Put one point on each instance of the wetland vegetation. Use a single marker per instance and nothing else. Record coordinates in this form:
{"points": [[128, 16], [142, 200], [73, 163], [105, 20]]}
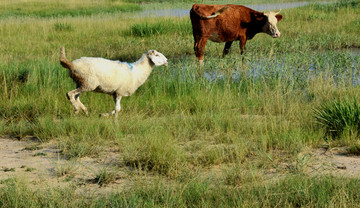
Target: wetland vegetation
{"points": [[186, 138]]}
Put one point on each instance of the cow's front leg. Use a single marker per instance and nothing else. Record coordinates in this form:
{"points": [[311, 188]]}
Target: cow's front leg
{"points": [[227, 48], [199, 48], [242, 44], [242, 47]]}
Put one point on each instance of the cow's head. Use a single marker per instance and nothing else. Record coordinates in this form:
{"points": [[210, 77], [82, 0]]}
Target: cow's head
{"points": [[270, 24]]}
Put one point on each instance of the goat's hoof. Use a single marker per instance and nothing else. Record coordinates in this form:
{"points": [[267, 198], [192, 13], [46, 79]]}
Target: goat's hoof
{"points": [[104, 115]]}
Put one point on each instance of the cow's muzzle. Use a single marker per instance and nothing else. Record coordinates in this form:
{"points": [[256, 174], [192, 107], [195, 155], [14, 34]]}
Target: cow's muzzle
{"points": [[276, 35]]}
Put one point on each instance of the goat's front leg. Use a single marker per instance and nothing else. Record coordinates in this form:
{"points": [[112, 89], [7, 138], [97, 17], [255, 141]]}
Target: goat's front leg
{"points": [[117, 99]]}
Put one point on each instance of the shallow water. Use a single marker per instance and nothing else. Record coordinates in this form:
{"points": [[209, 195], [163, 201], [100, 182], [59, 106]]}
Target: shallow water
{"points": [[258, 7], [342, 66]]}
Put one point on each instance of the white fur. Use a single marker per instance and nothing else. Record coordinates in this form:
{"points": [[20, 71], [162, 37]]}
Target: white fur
{"points": [[270, 27], [112, 77]]}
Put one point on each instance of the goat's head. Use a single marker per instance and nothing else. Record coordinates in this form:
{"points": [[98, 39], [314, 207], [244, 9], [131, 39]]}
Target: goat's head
{"points": [[157, 58]]}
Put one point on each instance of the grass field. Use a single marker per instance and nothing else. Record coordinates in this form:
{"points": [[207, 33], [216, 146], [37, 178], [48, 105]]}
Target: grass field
{"points": [[185, 140]]}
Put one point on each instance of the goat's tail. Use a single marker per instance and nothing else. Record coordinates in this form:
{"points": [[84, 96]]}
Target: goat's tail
{"points": [[63, 61], [213, 15]]}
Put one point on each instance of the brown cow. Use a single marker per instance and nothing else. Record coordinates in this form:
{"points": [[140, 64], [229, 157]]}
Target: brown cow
{"points": [[227, 23]]}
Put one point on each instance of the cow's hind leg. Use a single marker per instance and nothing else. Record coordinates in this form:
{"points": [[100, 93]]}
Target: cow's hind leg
{"points": [[199, 48], [227, 48]]}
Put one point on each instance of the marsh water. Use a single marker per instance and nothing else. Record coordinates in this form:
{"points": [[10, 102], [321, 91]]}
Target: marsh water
{"points": [[343, 66]]}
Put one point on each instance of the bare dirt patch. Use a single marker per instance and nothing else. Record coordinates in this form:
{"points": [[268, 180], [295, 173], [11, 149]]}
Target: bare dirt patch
{"points": [[334, 161], [41, 163]]}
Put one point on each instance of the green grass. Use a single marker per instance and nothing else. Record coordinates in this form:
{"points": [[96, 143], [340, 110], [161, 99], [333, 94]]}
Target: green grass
{"points": [[197, 140], [55, 9], [290, 192], [297, 191], [160, 27]]}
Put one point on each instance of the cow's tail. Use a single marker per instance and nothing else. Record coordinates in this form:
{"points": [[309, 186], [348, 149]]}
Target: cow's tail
{"points": [[63, 61], [213, 15]]}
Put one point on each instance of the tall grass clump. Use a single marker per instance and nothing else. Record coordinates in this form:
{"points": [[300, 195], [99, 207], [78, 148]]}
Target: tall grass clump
{"points": [[104, 177], [339, 116], [160, 27]]}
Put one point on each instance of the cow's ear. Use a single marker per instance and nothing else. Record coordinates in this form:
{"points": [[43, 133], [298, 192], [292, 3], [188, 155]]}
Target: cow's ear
{"points": [[279, 17], [259, 16]]}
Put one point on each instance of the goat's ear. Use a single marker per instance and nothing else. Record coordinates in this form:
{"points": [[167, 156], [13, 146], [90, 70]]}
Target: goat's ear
{"points": [[151, 52]]}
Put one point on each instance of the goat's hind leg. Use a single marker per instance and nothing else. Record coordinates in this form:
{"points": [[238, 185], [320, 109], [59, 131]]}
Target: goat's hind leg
{"points": [[82, 106], [73, 96]]}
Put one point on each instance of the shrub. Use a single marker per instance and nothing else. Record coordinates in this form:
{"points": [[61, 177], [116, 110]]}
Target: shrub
{"points": [[339, 116]]}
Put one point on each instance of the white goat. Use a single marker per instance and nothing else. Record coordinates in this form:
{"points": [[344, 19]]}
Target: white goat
{"points": [[111, 77]]}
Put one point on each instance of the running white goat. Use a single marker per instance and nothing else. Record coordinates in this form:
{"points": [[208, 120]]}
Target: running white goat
{"points": [[111, 77]]}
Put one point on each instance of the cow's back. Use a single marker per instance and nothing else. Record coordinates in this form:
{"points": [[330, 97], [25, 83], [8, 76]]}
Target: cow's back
{"points": [[228, 24], [233, 11], [206, 9]]}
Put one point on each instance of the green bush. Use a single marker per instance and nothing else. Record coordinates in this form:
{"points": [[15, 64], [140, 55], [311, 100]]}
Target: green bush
{"points": [[339, 116]]}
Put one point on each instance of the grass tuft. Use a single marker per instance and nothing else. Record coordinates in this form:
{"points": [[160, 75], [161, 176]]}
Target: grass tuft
{"points": [[339, 116], [104, 176], [63, 26]]}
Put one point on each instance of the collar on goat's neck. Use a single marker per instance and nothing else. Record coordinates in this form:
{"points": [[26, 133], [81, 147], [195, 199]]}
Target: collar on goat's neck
{"points": [[130, 65]]}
